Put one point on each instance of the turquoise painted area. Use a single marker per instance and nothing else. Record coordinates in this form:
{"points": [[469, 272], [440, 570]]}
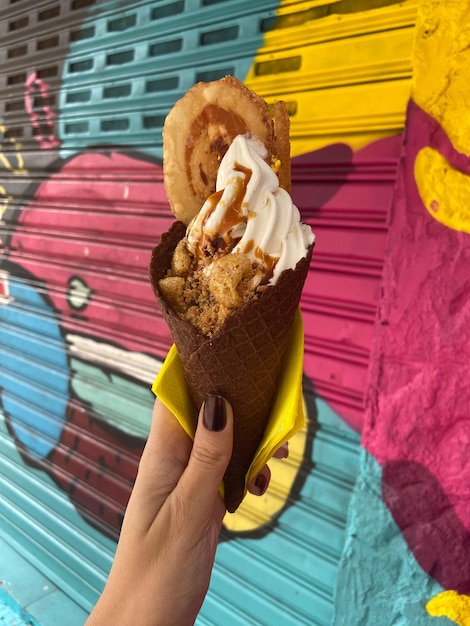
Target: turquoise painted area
{"points": [[33, 356], [127, 67], [57, 571], [117, 400], [288, 576], [10, 613], [28, 598], [380, 583]]}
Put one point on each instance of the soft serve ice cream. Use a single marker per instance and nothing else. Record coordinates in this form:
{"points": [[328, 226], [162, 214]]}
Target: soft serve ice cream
{"points": [[250, 214], [245, 235]]}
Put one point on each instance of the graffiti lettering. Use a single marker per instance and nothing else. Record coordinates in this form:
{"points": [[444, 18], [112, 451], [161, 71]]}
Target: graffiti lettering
{"points": [[6, 157], [36, 100], [4, 201]]}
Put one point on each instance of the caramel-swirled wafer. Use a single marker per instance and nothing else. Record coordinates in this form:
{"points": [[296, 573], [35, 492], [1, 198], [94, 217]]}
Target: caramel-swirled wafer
{"points": [[197, 133]]}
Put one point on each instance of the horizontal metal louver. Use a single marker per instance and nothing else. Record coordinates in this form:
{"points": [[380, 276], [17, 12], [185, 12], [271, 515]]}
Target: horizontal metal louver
{"points": [[86, 89]]}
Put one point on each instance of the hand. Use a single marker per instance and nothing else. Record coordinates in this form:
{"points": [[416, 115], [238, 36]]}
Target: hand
{"points": [[166, 550], [260, 483]]}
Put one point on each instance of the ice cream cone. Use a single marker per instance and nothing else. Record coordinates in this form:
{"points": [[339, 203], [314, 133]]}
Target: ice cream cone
{"points": [[241, 362]]}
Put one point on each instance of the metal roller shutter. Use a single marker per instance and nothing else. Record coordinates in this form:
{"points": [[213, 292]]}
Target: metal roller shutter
{"points": [[86, 86]]}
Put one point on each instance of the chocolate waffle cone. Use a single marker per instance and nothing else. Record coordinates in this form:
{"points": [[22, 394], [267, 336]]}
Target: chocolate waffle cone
{"points": [[241, 362]]}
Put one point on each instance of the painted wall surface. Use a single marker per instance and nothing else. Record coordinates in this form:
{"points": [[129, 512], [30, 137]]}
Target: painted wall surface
{"points": [[87, 86], [409, 534]]}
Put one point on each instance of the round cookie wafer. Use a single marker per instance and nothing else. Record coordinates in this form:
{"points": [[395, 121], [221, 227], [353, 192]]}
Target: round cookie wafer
{"points": [[197, 133], [281, 147]]}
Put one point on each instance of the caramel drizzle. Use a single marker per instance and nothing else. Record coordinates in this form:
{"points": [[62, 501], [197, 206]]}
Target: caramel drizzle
{"points": [[233, 215], [231, 219], [218, 126]]}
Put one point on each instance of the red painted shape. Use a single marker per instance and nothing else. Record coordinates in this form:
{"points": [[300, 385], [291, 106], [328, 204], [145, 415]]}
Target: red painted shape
{"points": [[96, 465], [42, 117]]}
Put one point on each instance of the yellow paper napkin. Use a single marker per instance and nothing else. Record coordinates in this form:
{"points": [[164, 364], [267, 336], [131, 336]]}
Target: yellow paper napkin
{"points": [[287, 413]]}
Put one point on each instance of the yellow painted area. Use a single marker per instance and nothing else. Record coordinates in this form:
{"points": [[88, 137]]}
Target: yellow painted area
{"points": [[441, 60], [257, 511], [445, 192], [452, 605], [6, 160], [345, 77], [12, 160], [5, 198], [441, 88]]}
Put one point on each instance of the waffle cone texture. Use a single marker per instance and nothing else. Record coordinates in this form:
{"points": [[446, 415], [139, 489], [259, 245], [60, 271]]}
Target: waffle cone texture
{"points": [[241, 362]]}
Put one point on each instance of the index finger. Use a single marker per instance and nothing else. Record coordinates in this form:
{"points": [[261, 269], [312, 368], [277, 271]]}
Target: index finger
{"points": [[211, 452]]}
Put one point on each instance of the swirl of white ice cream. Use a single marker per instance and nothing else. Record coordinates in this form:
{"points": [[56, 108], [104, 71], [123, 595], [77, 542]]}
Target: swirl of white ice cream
{"points": [[250, 208]]}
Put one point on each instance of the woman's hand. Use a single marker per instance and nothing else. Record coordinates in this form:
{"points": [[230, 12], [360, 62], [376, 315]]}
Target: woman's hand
{"points": [[166, 550], [164, 558]]}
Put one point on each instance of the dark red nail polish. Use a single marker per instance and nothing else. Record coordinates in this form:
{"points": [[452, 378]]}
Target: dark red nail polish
{"points": [[261, 484], [214, 417]]}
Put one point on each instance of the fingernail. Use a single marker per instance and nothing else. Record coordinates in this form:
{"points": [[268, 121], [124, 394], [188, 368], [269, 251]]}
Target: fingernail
{"points": [[261, 484], [214, 417]]}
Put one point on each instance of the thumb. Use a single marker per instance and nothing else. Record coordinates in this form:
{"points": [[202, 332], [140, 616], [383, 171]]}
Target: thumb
{"points": [[209, 458]]}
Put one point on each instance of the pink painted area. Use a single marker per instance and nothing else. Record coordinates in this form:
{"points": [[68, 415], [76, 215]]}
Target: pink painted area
{"points": [[346, 198], [419, 399], [42, 117], [98, 219]]}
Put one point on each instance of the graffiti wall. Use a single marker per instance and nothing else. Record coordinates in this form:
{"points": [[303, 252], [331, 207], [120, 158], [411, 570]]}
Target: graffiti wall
{"points": [[414, 471], [87, 85]]}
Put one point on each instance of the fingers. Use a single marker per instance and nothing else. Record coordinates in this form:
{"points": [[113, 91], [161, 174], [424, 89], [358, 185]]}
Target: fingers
{"points": [[163, 461], [212, 449], [260, 483], [282, 452], [172, 463]]}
